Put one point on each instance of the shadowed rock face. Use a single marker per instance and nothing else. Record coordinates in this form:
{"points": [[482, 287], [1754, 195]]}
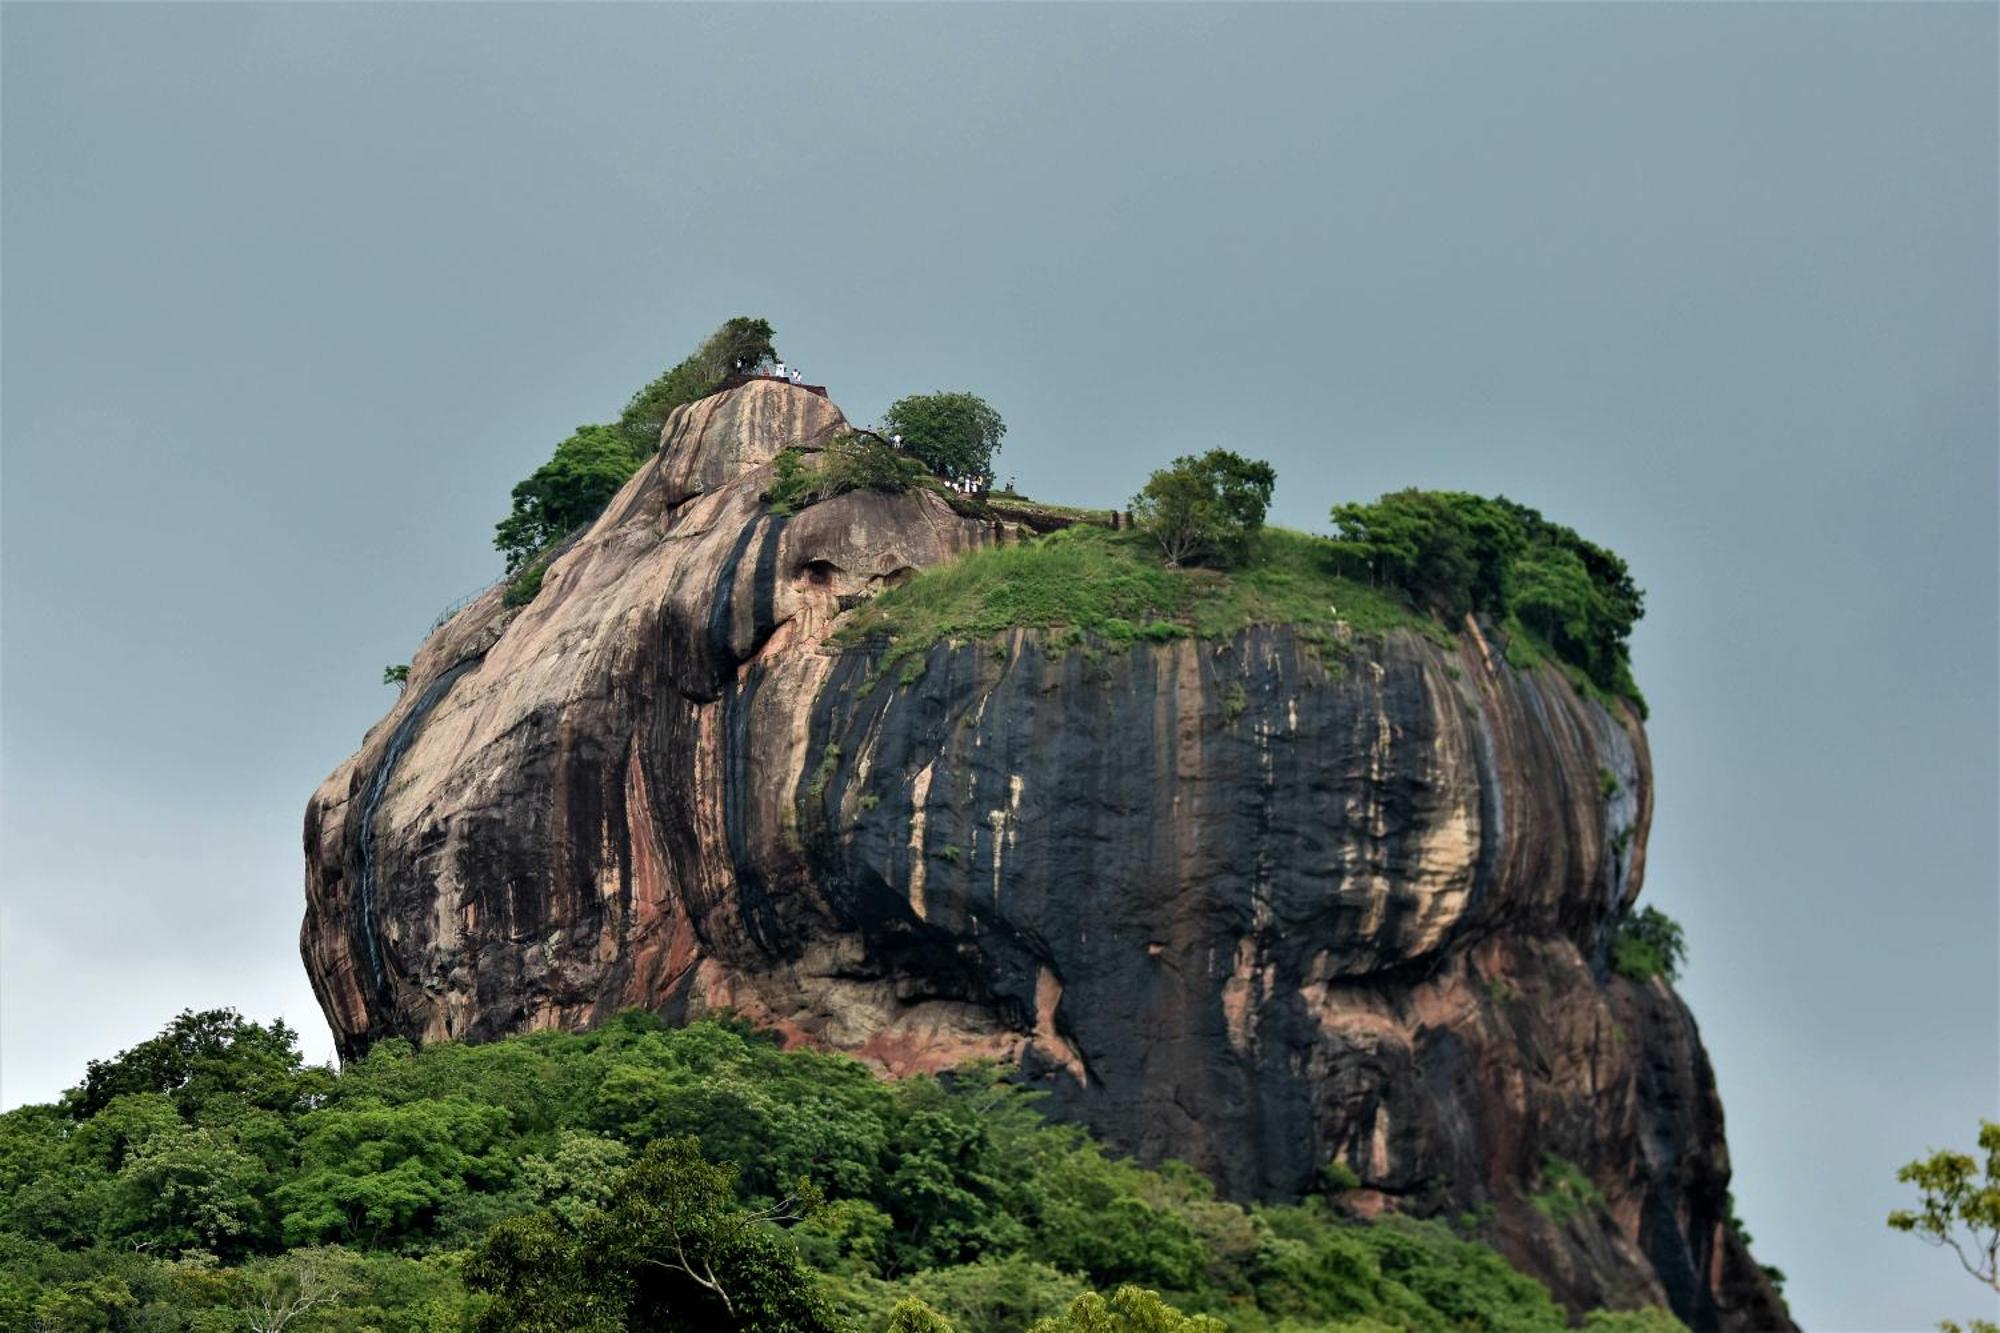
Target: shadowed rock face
{"points": [[1257, 904]]}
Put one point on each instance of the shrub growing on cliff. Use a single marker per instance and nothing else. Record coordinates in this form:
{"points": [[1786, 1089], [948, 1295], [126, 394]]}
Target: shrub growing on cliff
{"points": [[1648, 944], [527, 581], [848, 463], [1205, 506], [952, 434], [566, 492], [587, 469], [1773, 1274], [1565, 1191]]}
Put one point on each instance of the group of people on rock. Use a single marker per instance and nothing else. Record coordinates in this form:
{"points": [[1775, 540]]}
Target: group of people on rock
{"points": [[777, 370], [972, 485]]}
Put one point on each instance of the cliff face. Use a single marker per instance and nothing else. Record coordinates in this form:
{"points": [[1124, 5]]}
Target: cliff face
{"points": [[1258, 904]]}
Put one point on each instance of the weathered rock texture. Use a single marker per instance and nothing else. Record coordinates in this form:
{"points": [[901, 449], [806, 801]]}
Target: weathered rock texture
{"points": [[1258, 904]]}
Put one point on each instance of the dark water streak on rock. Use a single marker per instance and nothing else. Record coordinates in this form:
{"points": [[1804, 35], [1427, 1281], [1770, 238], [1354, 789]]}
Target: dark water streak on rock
{"points": [[378, 787]]}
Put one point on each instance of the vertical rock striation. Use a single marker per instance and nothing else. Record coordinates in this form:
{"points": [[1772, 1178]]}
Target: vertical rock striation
{"points": [[1260, 904]]}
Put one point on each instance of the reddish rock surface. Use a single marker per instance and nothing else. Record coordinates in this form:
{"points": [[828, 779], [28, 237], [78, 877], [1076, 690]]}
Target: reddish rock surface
{"points": [[1259, 904]]}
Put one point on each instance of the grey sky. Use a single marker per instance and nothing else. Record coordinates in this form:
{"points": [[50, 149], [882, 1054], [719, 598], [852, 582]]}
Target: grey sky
{"points": [[294, 295]]}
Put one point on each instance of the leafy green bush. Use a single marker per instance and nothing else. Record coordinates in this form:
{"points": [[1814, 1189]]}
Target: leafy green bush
{"points": [[1648, 944], [985, 1296], [1566, 1190], [674, 1247], [566, 492], [850, 462], [1129, 1310]]}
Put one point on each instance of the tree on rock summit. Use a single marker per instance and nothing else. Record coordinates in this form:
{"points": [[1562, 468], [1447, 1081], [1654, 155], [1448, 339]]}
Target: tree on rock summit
{"points": [[737, 346], [1205, 506], [953, 434]]}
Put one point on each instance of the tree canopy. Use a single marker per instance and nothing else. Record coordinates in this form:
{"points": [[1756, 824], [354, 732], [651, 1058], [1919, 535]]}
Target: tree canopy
{"points": [[1206, 506], [637, 1177], [1453, 553], [1959, 1209], [566, 492], [673, 1247], [201, 1056], [953, 434]]}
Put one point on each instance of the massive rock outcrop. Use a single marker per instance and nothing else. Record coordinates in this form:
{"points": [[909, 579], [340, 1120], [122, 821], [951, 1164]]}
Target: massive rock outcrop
{"points": [[1260, 904]]}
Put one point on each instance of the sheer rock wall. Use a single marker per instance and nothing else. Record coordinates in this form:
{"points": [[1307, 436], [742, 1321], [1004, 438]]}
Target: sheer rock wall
{"points": [[1257, 904]]}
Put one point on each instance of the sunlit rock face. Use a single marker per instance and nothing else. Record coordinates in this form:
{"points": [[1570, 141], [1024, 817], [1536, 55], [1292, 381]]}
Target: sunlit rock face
{"points": [[1258, 904]]}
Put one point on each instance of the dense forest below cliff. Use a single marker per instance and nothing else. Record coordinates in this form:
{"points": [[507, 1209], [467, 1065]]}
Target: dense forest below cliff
{"points": [[639, 1177]]}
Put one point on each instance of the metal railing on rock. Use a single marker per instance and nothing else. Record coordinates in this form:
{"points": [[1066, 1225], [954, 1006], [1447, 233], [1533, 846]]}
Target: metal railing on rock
{"points": [[548, 555]]}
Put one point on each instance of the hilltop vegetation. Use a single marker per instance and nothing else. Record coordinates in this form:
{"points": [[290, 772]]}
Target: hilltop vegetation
{"points": [[1201, 562], [643, 1178], [1454, 554], [587, 469], [1424, 559], [1090, 579]]}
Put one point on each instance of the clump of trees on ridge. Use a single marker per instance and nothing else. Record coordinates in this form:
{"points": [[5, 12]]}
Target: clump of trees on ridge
{"points": [[1448, 553], [566, 492], [951, 435], [1454, 553]]}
